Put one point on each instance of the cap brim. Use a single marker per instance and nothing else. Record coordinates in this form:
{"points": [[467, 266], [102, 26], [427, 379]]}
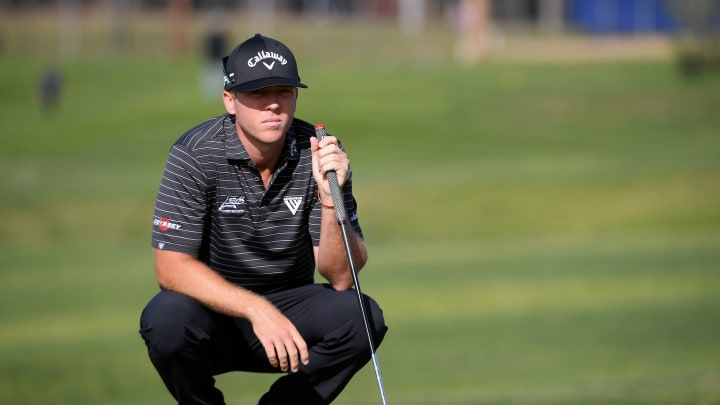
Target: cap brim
{"points": [[266, 82]]}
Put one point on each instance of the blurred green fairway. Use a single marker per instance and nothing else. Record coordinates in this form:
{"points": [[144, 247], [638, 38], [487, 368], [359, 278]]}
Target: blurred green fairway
{"points": [[538, 234]]}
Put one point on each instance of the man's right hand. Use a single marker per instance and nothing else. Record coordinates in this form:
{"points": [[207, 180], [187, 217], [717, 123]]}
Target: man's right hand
{"points": [[284, 346]]}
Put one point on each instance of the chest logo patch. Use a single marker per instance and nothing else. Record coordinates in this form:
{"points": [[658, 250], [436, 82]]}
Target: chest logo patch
{"points": [[293, 203], [232, 205]]}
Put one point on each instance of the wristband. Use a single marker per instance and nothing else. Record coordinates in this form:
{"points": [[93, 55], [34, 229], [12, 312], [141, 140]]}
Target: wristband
{"points": [[322, 203]]}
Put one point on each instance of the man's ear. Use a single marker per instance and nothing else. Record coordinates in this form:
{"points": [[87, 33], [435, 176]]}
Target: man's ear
{"points": [[229, 101]]}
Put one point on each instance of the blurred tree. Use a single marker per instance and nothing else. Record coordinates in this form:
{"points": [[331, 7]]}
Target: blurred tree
{"points": [[118, 13], [70, 15], [551, 15], [180, 12], [698, 26], [263, 16], [411, 15]]}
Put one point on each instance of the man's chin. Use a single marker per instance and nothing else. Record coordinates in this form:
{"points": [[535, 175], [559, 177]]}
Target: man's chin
{"points": [[272, 134], [275, 126]]}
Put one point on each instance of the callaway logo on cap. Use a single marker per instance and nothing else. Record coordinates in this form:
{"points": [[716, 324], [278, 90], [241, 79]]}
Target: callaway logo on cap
{"points": [[260, 62]]}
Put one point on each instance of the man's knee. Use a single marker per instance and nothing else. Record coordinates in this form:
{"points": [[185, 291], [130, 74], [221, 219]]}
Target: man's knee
{"points": [[376, 323], [170, 322], [376, 320]]}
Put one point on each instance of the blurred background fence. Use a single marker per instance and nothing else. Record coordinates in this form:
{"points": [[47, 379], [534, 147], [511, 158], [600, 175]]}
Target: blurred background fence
{"points": [[473, 29]]}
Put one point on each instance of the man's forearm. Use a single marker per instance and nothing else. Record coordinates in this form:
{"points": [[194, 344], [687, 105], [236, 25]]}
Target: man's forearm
{"points": [[184, 274], [332, 260]]}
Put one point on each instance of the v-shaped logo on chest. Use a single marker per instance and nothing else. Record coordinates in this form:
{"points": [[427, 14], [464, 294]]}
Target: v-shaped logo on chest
{"points": [[293, 203]]}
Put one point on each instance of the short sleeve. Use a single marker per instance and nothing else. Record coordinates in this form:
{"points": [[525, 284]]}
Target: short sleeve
{"points": [[181, 205]]}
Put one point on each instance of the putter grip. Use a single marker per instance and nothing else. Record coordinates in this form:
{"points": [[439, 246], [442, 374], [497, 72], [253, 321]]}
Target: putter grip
{"points": [[335, 191]]}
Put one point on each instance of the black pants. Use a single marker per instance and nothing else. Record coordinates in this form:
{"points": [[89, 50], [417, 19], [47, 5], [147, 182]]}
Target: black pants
{"points": [[189, 344]]}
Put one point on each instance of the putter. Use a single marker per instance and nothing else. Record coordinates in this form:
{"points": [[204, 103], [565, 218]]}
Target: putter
{"points": [[341, 215]]}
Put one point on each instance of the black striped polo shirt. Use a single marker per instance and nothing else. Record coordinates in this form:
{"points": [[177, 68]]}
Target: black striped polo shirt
{"points": [[212, 203]]}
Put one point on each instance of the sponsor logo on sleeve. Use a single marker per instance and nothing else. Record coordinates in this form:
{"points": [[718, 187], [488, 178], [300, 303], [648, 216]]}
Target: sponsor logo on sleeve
{"points": [[165, 224]]}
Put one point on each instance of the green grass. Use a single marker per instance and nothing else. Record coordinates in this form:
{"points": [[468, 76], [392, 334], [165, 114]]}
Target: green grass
{"points": [[538, 234]]}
